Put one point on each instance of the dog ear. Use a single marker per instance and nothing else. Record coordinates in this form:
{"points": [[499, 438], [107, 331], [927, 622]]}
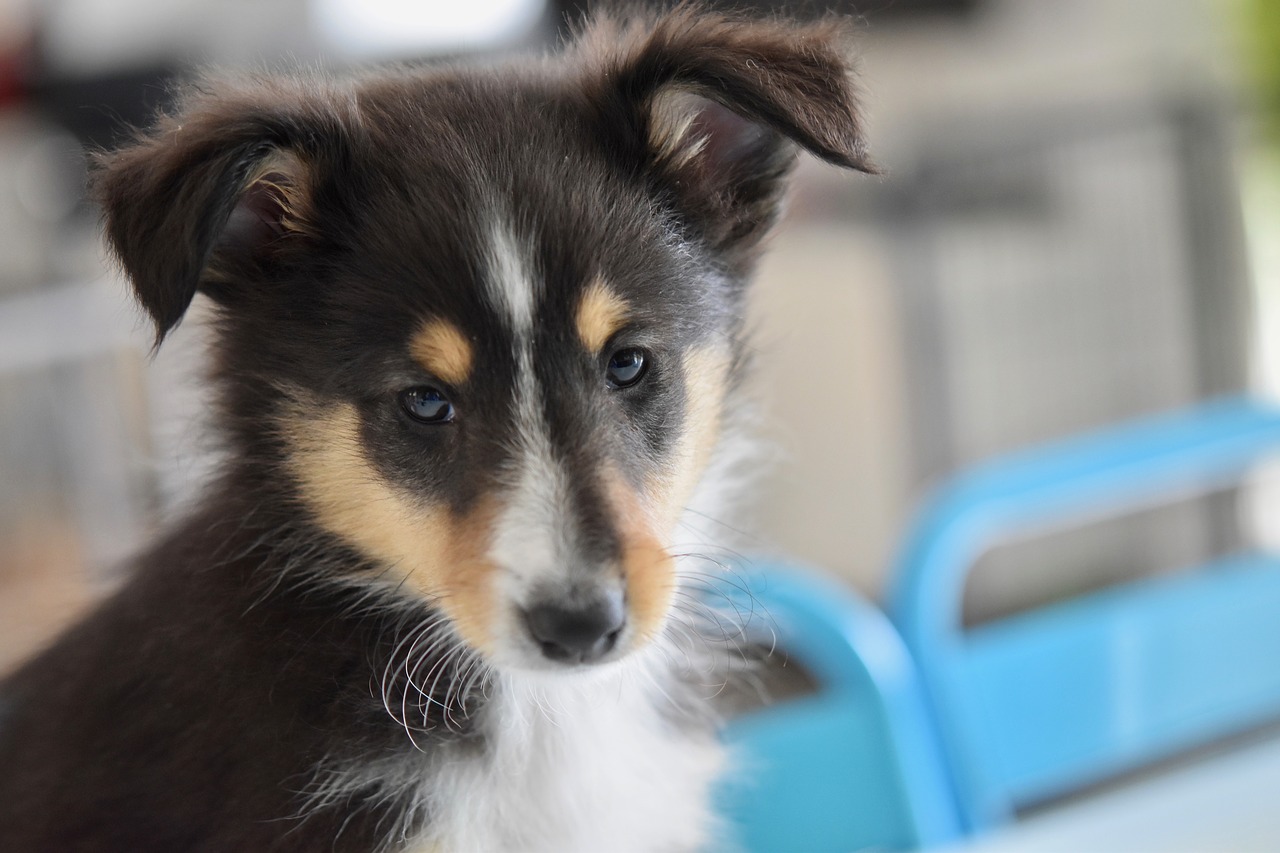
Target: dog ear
{"points": [[223, 187], [717, 105]]}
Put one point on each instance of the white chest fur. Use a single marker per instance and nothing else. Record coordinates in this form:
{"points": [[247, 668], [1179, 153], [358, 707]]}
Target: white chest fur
{"points": [[576, 765]]}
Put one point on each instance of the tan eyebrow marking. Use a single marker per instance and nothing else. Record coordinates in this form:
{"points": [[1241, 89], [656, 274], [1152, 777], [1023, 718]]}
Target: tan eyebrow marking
{"points": [[600, 313], [442, 350]]}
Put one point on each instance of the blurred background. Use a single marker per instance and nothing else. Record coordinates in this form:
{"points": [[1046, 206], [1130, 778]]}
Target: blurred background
{"points": [[1079, 223]]}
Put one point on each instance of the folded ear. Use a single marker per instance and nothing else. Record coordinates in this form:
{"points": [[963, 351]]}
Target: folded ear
{"points": [[717, 104], [222, 188]]}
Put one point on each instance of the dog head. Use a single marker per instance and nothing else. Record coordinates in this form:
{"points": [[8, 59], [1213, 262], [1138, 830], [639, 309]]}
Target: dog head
{"points": [[479, 324]]}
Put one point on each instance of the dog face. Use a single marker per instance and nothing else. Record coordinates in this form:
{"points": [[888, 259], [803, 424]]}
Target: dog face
{"points": [[480, 326]]}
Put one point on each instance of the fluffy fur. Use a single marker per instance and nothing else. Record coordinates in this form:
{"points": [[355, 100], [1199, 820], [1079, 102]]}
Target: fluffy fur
{"points": [[445, 593]]}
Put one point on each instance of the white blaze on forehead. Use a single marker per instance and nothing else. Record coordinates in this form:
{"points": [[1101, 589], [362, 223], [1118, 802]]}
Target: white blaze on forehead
{"points": [[509, 281], [533, 534]]}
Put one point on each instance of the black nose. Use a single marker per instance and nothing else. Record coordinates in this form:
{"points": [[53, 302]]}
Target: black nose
{"points": [[577, 633]]}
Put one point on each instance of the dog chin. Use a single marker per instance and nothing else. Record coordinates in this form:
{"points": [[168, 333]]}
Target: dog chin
{"points": [[541, 675]]}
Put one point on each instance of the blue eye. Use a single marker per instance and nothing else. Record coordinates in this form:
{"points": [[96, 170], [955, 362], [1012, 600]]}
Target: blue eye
{"points": [[626, 367], [426, 405]]}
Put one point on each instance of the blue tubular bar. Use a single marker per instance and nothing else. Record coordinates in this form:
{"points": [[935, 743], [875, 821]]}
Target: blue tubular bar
{"points": [[856, 766], [1106, 473]]}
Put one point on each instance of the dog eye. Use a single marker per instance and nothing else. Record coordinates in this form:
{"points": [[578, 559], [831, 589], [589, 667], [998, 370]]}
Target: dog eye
{"points": [[426, 405], [626, 367]]}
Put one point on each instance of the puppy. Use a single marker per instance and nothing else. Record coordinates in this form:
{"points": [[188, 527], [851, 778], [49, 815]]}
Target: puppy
{"points": [[479, 336]]}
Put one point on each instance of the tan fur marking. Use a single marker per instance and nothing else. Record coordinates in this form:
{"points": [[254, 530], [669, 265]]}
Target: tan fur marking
{"points": [[433, 550], [600, 313], [285, 174], [443, 351], [647, 566], [706, 371], [469, 579], [671, 116], [651, 584]]}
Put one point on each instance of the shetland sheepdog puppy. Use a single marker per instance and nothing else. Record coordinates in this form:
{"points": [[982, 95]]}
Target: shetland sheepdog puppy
{"points": [[478, 344]]}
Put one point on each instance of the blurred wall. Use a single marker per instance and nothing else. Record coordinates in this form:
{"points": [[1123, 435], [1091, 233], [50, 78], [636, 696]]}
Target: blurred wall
{"points": [[1056, 245]]}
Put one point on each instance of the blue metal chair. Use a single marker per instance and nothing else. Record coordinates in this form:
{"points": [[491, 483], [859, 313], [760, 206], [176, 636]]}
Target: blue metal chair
{"points": [[916, 738], [1045, 702]]}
